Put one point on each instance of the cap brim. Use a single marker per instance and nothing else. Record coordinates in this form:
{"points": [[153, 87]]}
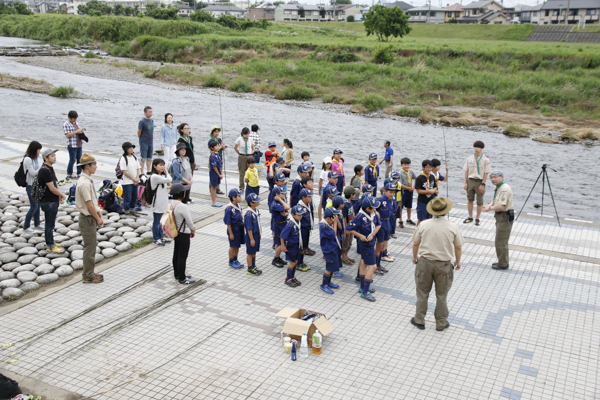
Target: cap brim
{"points": [[87, 162], [446, 210], [184, 188]]}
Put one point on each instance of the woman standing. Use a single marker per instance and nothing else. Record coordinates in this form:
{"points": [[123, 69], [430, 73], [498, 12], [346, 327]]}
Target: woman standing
{"points": [[288, 152], [168, 138], [337, 165], [159, 181], [31, 164], [245, 148], [186, 138]]}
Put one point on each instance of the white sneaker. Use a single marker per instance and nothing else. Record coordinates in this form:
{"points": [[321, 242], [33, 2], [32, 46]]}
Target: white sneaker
{"points": [[386, 259], [28, 230], [159, 242], [39, 228]]}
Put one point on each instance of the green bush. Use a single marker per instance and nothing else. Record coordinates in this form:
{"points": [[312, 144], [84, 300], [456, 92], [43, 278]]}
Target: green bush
{"points": [[342, 56], [62, 91], [202, 16], [214, 81], [240, 86], [350, 18], [297, 92], [373, 101], [91, 54], [413, 112], [328, 98], [383, 55]]}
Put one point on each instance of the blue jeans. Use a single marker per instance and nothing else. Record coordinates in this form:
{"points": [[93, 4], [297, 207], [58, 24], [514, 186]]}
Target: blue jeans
{"points": [[157, 233], [50, 210], [34, 211], [257, 155], [146, 150], [74, 155], [129, 196]]}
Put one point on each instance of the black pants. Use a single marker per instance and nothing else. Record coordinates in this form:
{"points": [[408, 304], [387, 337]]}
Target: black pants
{"points": [[180, 255]]}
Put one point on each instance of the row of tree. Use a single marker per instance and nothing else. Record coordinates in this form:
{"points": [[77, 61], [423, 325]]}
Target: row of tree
{"points": [[14, 8]]}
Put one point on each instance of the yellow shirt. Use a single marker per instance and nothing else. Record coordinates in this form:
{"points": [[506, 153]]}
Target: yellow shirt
{"points": [[252, 176], [399, 192], [329, 203]]}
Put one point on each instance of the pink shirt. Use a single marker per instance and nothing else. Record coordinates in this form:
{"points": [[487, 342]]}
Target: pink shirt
{"points": [[339, 168]]}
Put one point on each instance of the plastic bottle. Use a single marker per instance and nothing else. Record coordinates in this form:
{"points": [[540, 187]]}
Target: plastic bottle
{"points": [[304, 346], [316, 342], [293, 350]]}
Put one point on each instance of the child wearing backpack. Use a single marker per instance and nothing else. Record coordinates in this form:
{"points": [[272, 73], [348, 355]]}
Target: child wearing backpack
{"points": [[181, 169], [253, 233], [131, 177], [157, 196], [186, 230], [234, 220]]}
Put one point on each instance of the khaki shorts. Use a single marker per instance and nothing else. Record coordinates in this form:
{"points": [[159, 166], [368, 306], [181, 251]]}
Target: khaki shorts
{"points": [[473, 189]]}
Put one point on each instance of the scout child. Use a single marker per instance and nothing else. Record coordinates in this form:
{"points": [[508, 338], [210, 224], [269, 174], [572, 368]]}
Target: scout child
{"points": [[271, 155], [306, 225], [291, 243], [308, 184], [347, 214], [338, 203], [251, 177], [303, 172], [253, 233], [215, 173], [372, 171], [425, 185], [357, 179], [395, 176], [276, 168], [305, 155], [437, 164], [234, 220], [337, 165], [365, 226], [332, 176], [323, 179], [386, 210], [407, 181], [330, 246], [279, 212]]}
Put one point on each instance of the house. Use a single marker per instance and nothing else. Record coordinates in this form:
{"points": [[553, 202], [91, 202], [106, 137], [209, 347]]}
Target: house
{"points": [[514, 15], [217, 11], [311, 12], [556, 11], [427, 14], [345, 10], [73, 4], [453, 11], [141, 4], [184, 9], [263, 11], [482, 12], [42, 8], [531, 15], [404, 6]]}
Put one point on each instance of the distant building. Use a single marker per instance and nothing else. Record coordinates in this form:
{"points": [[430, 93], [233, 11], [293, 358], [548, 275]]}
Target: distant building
{"points": [[427, 14], [184, 9], [141, 4], [555, 12], [264, 11], [42, 8], [404, 6], [453, 11], [531, 15], [317, 13], [217, 11], [483, 12]]}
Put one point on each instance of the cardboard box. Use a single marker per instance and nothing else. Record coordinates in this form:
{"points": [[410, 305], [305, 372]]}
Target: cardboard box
{"points": [[295, 327]]}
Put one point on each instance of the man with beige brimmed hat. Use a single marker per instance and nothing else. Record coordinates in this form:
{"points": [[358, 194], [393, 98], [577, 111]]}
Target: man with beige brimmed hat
{"points": [[90, 216], [436, 241], [502, 204]]}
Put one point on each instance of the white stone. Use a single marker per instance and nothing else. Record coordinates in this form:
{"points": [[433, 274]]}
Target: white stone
{"points": [[112, 234], [48, 278], [65, 270], [36, 239], [117, 240], [75, 247], [77, 265], [108, 253], [12, 293], [125, 229], [74, 227], [59, 262], [27, 276], [10, 283], [11, 266], [52, 256], [143, 229], [73, 234], [40, 260], [124, 247], [99, 257], [77, 255], [104, 230], [60, 238], [21, 245], [44, 269], [29, 286], [27, 259], [63, 231], [14, 240], [69, 243], [27, 251], [147, 235], [107, 245], [8, 229], [26, 267], [101, 238], [130, 235], [7, 275], [8, 257]]}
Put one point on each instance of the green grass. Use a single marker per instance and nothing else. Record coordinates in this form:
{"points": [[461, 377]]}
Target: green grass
{"points": [[240, 86], [142, 243], [297, 92], [91, 54], [373, 101], [214, 81], [413, 112], [62, 91], [516, 130]]}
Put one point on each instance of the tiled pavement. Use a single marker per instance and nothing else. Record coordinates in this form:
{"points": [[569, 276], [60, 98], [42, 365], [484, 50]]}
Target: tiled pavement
{"points": [[526, 333]]}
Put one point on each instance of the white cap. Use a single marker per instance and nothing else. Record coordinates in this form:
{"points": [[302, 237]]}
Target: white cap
{"points": [[327, 160]]}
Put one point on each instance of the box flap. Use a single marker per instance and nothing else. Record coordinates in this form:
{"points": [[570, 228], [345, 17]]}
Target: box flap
{"points": [[287, 312], [324, 327], [294, 326]]}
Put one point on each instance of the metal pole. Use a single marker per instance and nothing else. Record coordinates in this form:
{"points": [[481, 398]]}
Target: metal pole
{"points": [[567, 16], [543, 188], [446, 162], [223, 140], [552, 196]]}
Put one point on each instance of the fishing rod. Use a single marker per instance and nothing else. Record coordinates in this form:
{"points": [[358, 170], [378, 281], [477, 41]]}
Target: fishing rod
{"points": [[223, 140], [446, 162]]}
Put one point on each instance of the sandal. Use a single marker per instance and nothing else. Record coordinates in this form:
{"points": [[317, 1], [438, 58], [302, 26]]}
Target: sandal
{"points": [[468, 220], [55, 249], [477, 223]]}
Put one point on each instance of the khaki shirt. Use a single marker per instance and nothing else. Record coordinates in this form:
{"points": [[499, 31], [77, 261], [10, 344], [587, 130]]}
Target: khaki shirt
{"points": [[437, 238], [485, 167], [85, 192], [503, 195]]}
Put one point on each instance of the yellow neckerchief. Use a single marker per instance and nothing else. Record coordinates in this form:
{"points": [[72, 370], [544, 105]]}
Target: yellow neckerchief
{"points": [[255, 172], [374, 167], [340, 166], [423, 173], [408, 176], [399, 192]]}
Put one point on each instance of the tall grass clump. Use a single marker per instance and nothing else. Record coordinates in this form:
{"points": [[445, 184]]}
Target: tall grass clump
{"points": [[412, 112], [62, 91], [297, 92], [240, 86], [214, 81], [91, 54], [373, 101]]}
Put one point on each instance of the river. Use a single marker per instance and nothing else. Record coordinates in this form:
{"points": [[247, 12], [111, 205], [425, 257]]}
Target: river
{"points": [[113, 121]]}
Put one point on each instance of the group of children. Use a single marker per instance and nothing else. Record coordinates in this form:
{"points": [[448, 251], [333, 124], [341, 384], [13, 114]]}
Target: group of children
{"points": [[357, 214]]}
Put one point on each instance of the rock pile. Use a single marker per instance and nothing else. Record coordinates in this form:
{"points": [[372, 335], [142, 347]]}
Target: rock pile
{"points": [[25, 264]]}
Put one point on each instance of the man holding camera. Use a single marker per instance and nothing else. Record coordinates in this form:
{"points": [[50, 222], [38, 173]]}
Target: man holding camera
{"points": [[502, 204], [75, 136]]}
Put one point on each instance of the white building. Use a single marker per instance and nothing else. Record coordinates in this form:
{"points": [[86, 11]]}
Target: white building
{"points": [[217, 11], [427, 14]]}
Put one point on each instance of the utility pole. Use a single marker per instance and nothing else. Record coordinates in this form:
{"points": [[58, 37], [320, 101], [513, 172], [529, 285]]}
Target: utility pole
{"points": [[567, 16], [429, 13]]}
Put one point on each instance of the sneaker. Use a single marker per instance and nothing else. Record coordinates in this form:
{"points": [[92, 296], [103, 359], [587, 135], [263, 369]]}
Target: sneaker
{"points": [[378, 271], [281, 260], [138, 209], [401, 224], [370, 290], [468, 220], [384, 270], [367, 296], [296, 281], [55, 249], [217, 205], [40, 228], [333, 285], [277, 263], [187, 281], [94, 279], [158, 242], [339, 274], [303, 267], [309, 252], [387, 258], [410, 222], [254, 271], [290, 283], [357, 279], [326, 289], [165, 240], [477, 223], [240, 265], [186, 277], [234, 264], [28, 230]]}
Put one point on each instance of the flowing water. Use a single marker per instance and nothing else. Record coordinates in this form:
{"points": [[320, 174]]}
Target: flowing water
{"points": [[31, 116]]}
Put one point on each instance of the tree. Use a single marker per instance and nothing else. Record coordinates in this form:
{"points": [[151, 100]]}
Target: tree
{"points": [[340, 2], [15, 8], [161, 12], [202, 16], [350, 18], [94, 8], [385, 22]]}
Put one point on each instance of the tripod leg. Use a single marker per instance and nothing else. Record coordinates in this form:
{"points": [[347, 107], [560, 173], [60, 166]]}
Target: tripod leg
{"points": [[552, 196], [529, 195], [543, 189]]}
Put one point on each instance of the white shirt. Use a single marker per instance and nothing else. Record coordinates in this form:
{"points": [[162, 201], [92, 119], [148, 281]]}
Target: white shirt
{"points": [[324, 176], [242, 145], [131, 166]]}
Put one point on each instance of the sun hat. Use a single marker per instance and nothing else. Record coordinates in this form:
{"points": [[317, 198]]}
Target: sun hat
{"points": [[179, 147], [215, 127], [439, 206], [127, 145], [178, 188], [86, 159]]}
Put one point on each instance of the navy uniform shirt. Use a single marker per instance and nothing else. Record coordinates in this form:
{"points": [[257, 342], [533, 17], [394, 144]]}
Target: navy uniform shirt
{"points": [[215, 161], [295, 193], [325, 197], [233, 217], [385, 209], [251, 223], [306, 217], [327, 235], [362, 225], [272, 197], [276, 210], [372, 174], [355, 205], [290, 233]]}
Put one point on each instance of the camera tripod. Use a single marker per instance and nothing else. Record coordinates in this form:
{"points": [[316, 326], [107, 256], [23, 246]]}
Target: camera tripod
{"points": [[545, 178]]}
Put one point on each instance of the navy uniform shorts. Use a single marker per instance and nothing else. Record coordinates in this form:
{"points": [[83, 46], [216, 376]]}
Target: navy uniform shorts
{"points": [[252, 250], [407, 199], [238, 237], [277, 228], [422, 213], [305, 232], [293, 251], [250, 189], [214, 178], [332, 261], [384, 232], [367, 252]]}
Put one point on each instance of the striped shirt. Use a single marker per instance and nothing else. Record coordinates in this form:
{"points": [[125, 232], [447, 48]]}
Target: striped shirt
{"points": [[255, 140], [72, 141]]}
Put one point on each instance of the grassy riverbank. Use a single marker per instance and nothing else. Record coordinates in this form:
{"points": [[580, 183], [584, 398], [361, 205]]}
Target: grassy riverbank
{"points": [[436, 65]]}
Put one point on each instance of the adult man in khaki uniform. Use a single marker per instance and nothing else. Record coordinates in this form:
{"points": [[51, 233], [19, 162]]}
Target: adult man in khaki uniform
{"points": [[502, 204], [476, 169], [436, 241], [90, 217]]}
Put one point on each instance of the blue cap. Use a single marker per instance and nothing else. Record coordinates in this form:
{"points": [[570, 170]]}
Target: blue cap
{"points": [[235, 192], [367, 187], [279, 176], [298, 210], [395, 175], [252, 198], [387, 180], [305, 192], [370, 201], [337, 150], [308, 164], [278, 189], [332, 174], [332, 190], [337, 201], [390, 186], [372, 156], [330, 212], [272, 143], [303, 168]]}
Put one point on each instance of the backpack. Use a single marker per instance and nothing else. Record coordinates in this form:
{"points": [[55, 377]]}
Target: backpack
{"points": [[170, 167], [141, 190], [38, 190], [118, 171], [168, 223], [149, 194], [71, 198], [21, 176]]}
